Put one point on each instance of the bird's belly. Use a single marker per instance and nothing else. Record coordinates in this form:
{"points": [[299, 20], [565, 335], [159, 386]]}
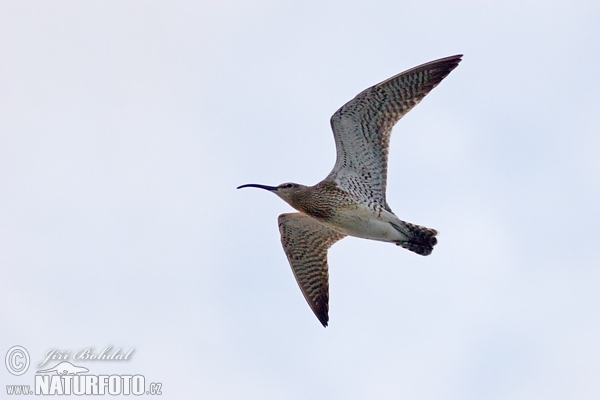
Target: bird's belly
{"points": [[366, 223]]}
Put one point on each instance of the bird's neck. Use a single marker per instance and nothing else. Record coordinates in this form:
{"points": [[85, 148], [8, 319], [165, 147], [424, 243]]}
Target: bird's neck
{"points": [[320, 201]]}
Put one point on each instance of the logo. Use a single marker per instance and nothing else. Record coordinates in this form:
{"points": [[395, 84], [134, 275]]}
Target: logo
{"points": [[66, 378]]}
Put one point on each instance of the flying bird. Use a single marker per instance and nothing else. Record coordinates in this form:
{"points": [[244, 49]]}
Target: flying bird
{"points": [[351, 200]]}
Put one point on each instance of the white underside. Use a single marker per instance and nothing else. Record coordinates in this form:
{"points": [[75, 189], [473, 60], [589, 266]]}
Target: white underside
{"points": [[365, 223]]}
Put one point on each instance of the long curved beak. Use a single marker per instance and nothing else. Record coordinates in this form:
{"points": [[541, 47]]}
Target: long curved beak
{"points": [[271, 188]]}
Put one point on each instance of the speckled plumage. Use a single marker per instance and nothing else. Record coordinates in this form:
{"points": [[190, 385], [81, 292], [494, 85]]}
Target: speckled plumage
{"points": [[351, 200], [305, 242]]}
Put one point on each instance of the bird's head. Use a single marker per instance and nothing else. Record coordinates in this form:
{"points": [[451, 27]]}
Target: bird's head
{"points": [[286, 191]]}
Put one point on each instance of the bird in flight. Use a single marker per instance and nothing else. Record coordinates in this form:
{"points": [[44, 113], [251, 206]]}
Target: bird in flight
{"points": [[351, 201]]}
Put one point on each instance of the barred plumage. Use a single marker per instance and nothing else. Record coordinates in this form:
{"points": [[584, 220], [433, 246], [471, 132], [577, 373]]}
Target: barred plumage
{"points": [[305, 242], [351, 200]]}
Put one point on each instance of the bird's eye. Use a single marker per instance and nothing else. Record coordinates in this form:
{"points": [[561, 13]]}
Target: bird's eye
{"points": [[289, 185]]}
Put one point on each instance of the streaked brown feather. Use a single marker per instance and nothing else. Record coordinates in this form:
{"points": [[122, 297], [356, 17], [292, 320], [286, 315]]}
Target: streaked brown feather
{"points": [[305, 242]]}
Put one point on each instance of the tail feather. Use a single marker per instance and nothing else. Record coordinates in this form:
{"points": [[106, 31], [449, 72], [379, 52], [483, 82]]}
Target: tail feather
{"points": [[420, 239]]}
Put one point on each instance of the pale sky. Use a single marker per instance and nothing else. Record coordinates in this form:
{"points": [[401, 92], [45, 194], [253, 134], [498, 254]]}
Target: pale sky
{"points": [[125, 128]]}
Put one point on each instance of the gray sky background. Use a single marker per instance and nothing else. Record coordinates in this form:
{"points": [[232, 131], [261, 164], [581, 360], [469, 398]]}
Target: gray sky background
{"points": [[126, 126]]}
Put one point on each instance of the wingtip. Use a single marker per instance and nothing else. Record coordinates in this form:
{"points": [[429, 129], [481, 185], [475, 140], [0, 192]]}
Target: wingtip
{"points": [[322, 313], [451, 60], [454, 57]]}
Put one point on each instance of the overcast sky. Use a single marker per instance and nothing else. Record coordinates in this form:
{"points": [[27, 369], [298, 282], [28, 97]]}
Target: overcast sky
{"points": [[126, 126]]}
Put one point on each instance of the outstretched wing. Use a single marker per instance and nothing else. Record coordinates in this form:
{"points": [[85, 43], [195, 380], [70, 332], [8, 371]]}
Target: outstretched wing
{"points": [[305, 242], [362, 127]]}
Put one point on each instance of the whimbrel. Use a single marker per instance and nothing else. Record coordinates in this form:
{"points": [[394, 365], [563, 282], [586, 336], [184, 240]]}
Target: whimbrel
{"points": [[351, 201]]}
